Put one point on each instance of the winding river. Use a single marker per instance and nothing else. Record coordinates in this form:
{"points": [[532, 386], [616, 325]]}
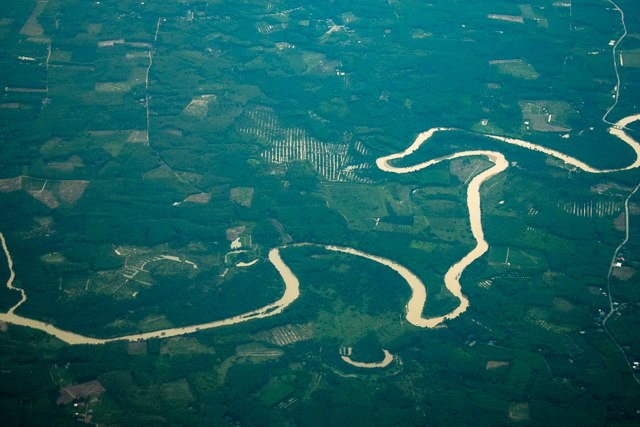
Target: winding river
{"points": [[291, 293], [418, 299]]}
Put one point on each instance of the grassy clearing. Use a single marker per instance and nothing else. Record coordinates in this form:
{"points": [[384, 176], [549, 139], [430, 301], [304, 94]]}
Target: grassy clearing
{"points": [[225, 366], [274, 392], [155, 323], [61, 376], [197, 108], [137, 136], [202, 198], [631, 58], [242, 195], [60, 56], [258, 350], [185, 346], [528, 13], [539, 316], [112, 87], [349, 325], [245, 240], [519, 411], [424, 246], [518, 69], [144, 277], [10, 184], [362, 204], [452, 229], [547, 116], [348, 17], [498, 255], [32, 27], [177, 392], [465, 169], [70, 191], [137, 348], [53, 258], [562, 304], [436, 207], [312, 60], [527, 259]]}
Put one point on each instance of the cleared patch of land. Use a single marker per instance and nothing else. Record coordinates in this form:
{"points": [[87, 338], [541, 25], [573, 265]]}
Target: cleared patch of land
{"points": [[71, 191], [495, 364], [284, 335], [516, 68], [234, 232], [79, 391], [32, 27], [623, 273], [184, 346], [547, 116], [10, 184], [258, 350], [242, 195], [630, 58], [509, 18], [519, 411], [199, 198]]}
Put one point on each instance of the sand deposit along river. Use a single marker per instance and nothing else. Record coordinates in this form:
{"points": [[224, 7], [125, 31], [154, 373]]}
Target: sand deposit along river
{"points": [[415, 306]]}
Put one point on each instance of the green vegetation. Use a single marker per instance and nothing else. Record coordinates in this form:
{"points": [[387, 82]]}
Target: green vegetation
{"points": [[259, 126]]}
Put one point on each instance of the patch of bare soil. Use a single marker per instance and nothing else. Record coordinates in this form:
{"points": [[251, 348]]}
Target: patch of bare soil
{"points": [[623, 273], [199, 198], [46, 197], [233, 232], [519, 411], [137, 347], [619, 223], [594, 290], [79, 391], [71, 191], [10, 184], [495, 364]]}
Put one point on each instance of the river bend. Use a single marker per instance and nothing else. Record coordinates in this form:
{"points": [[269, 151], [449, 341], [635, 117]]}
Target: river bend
{"points": [[418, 299]]}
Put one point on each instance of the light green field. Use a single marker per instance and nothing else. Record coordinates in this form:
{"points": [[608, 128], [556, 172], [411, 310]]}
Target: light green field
{"points": [[521, 70], [274, 391], [177, 392], [452, 229], [423, 246], [498, 255], [242, 195], [60, 56], [520, 258], [32, 27], [185, 345], [348, 325], [362, 204], [631, 58]]}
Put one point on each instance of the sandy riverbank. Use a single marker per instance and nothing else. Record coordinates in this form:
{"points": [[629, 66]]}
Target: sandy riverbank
{"points": [[388, 358]]}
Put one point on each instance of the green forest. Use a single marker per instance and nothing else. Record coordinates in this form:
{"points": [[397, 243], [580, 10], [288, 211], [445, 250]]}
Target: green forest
{"points": [[153, 153]]}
